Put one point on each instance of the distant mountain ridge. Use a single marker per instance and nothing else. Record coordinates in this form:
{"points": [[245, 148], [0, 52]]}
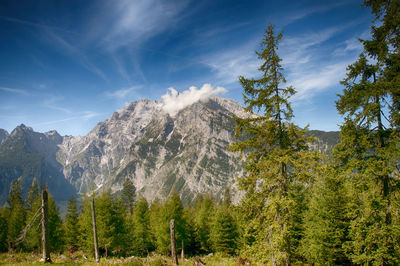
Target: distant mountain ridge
{"points": [[160, 153]]}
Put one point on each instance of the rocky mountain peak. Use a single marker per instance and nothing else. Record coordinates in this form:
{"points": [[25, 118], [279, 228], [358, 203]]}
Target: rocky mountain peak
{"points": [[3, 134]]}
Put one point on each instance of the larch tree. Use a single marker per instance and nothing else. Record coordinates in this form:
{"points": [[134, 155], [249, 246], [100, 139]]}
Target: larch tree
{"points": [[277, 160]]}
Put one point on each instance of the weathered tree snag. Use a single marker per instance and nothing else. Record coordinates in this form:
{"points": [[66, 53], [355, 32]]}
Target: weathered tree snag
{"points": [[96, 248], [173, 244], [183, 252], [45, 233]]}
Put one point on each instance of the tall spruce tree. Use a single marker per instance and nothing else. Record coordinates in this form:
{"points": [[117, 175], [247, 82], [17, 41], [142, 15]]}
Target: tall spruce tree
{"points": [[223, 231], [71, 229], [203, 219], [16, 215], [140, 242], [369, 148], [277, 160], [326, 220], [128, 195]]}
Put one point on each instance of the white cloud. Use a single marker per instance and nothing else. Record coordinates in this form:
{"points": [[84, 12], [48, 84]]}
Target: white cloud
{"points": [[123, 93], [229, 64], [120, 23], [310, 83], [16, 91], [51, 102], [173, 101]]}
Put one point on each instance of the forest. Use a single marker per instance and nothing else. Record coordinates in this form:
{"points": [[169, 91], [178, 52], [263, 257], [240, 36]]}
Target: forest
{"points": [[300, 206]]}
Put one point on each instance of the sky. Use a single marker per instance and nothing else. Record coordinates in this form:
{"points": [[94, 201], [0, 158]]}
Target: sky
{"points": [[69, 64]]}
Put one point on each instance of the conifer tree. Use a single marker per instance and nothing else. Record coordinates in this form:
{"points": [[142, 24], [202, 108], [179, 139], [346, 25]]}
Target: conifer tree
{"points": [[33, 239], [204, 215], [277, 159], [111, 230], [223, 233], [326, 221], [17, 214], [160, 218], [128, 195], [55, 227], [71, 229], [32, 194], [3, 230], [369, 150], [141, 244]]}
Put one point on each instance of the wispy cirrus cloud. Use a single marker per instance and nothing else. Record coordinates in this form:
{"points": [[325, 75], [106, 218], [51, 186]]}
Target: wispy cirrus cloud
{"points": [[78, 54], [52, 102], [125, 22], [123, 93], [228, 65], [15, 91], [305, 12]]}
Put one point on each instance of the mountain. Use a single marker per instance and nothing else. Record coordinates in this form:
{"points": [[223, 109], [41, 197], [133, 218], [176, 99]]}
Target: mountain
{"points": [[186, 152], [27, 155], [160, 151], [3, 135]]}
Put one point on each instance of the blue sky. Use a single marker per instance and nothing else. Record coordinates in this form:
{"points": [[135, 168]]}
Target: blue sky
{"points": [[67, 65]]}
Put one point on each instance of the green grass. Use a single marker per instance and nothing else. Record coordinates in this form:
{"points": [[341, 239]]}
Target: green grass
{"points": [[16, 258]]}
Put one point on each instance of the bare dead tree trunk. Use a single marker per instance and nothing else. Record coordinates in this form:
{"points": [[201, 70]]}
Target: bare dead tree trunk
{"points": [[183, 252], [45, 233], [96, 248], [173, 244]]}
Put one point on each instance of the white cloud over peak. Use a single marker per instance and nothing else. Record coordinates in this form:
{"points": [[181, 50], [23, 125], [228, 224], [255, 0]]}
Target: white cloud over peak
{"points": [[173, 101]]}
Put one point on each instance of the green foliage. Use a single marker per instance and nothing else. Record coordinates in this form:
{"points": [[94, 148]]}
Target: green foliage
{"points": [[326, 221], [128, 195], [16, 215], [71, 227], [223, 233], [369, 150], [278, 164], [204, 213], [140, 231], [111, 228], [3, 230], [161, 216]]}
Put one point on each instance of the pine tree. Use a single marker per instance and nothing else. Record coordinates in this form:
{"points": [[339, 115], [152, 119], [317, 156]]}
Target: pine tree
{"points": [[111, 229], [277, 160], [55, 228], [71, 229], [17, 214], [223, 233], [141, 244], [369, 150], [3, 230], [161, 216], [128, 195], [203, 220], [326, 221], [32, 194]]}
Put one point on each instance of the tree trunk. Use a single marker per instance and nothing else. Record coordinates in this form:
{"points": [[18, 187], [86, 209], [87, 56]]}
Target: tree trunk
{"points": [[173, 244], [183, 252], [96, 248], [45, 233]]}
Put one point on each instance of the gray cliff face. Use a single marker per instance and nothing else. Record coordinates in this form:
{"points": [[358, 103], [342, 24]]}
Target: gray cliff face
{"points": [[3, 134], [159, 153], [27, 155], [186, 152]]}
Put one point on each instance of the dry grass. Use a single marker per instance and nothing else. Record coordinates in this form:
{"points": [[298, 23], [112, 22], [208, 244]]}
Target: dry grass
{"points": [[78, 258]]}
